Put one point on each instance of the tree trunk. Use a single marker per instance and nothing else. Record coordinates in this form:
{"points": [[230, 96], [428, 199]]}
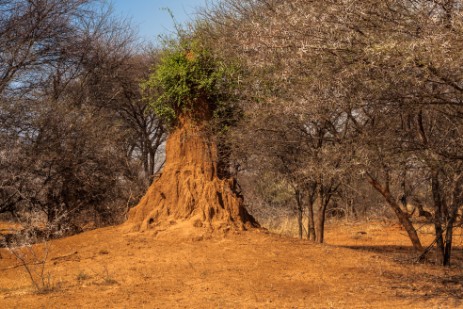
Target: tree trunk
{"points": [[448, 245], [437, 199], [456, 201], [300, 210], [403, 218], [145, 159], [188, 189], [321, 211], [152, 162], [310, 221], [320, 230]]}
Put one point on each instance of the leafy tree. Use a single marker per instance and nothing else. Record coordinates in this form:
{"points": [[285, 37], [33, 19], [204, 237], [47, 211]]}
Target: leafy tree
{"points": [[188, 77]]}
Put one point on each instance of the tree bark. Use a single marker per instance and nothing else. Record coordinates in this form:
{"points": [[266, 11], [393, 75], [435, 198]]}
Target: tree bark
{"points": [[448, 244], [403, 218], [310, 221], [437, 199], [300, 211], [320, 231], [321, 212], [455, 203]]}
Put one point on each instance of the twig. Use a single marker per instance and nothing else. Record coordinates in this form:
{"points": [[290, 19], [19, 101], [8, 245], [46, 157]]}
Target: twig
{"points": [[422, 256]]}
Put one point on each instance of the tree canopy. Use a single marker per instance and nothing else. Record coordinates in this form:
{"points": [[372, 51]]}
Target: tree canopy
{"points": [[187, 76]]}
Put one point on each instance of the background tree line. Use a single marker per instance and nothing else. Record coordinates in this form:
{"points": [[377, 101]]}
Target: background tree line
{"points": [[347, 99], [77, 144], [340, 107]]}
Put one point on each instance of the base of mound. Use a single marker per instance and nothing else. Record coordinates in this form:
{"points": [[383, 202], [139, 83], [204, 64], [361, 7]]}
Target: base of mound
{"points": [[188, 192]]}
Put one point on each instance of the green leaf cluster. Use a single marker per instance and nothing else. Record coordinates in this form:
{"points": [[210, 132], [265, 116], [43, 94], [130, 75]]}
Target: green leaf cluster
{"points": [[187, 74]]}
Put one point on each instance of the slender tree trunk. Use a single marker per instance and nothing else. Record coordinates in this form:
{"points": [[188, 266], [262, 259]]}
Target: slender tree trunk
{"points": [[448, 245], [300, 211], [456, 200], [351, 208], [403, 218], [437, 199], [51, 214], [310, 221], [145, 159], [152, 163], [320, 231], [321, 211]]}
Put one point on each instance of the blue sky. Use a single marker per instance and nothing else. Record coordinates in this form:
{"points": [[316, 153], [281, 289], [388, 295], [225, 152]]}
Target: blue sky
{"points": [[150, 17]]}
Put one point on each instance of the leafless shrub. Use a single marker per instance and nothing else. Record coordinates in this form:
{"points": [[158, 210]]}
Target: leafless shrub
{"points": [[77, 143], [339, 93], [33, 257]]}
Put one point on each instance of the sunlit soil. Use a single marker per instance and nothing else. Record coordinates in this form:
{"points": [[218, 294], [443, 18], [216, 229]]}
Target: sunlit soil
{"points": [[361, 266]]}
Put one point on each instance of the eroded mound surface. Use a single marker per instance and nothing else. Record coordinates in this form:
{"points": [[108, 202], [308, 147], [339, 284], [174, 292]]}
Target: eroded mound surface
{"points": [[189, 191]]}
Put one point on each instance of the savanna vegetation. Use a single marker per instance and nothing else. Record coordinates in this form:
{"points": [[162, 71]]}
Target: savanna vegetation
{"points": [[347, 101], [309, 110], [78, 143]]}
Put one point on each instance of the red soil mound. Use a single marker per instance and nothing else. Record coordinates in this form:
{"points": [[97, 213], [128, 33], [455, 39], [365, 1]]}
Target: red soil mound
{"points": [[189, 191]]}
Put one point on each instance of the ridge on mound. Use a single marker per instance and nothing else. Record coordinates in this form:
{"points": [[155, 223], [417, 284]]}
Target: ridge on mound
{"points": [[188, 190]]}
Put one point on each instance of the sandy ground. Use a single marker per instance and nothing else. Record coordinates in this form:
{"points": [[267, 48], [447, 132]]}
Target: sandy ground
{"points": [[361, 266]]}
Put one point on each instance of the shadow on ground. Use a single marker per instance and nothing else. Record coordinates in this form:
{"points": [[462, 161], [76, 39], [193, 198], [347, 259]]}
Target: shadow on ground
{"points": [[435, 283]]}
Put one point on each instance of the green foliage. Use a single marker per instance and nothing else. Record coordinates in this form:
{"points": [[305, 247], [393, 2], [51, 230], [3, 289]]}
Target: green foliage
{"points": [[186, 77]]}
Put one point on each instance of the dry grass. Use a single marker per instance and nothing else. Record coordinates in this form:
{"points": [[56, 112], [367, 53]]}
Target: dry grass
{"points": [[362, 266]]}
